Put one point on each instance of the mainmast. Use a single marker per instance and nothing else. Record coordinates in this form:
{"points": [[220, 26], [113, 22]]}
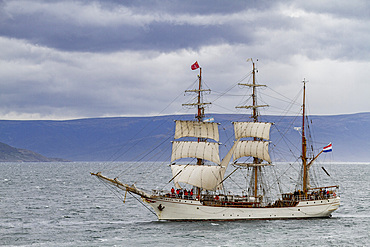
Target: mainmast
{"points": [[254, 116], [304, 143]]}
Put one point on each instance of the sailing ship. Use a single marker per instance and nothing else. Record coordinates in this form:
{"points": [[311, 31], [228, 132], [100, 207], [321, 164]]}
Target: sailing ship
{"points": [[207, 200]]}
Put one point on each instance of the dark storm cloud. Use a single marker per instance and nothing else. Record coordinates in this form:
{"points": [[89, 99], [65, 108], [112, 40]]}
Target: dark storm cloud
{"points": [[68, 59], [109, 26], [356, 9], [153, 25], [193, 7]]}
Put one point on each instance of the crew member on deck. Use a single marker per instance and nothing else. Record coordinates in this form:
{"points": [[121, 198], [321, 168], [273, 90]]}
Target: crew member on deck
{"points": [[172, 191]]}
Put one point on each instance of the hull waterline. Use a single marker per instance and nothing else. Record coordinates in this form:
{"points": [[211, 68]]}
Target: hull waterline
{"points": [[192, 210]]}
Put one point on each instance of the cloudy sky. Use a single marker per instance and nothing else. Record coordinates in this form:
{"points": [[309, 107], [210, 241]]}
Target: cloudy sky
{"points": [[64, 59]]}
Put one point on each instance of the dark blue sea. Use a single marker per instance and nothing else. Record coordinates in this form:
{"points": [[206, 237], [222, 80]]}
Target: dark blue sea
{"points": [[61, 204]]}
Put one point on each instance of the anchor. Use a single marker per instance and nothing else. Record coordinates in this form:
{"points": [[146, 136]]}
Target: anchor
{"points": [[160, 207]]}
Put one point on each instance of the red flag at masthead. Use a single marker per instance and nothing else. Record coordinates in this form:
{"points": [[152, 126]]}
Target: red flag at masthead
{"points": [[195, 66]]}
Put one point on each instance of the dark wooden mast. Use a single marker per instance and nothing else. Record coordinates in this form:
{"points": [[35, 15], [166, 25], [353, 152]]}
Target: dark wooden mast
{"points": [[254, 116], [255, 119], [200, 110], [304, 143], [200, 114], [199, 104]]}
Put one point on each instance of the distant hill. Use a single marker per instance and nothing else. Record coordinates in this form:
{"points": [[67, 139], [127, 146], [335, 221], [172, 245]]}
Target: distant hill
{"points": [[11, 154], [128, 138]]}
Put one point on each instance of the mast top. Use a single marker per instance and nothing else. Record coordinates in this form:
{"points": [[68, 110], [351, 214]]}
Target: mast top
{"points": [[199, 91], [254, 105]]}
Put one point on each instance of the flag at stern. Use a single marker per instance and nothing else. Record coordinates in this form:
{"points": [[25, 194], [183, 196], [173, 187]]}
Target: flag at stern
{"points": [[328, 148]]}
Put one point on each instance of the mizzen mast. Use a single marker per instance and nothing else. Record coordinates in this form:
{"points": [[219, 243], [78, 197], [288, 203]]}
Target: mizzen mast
{"points": [[304, 143]]}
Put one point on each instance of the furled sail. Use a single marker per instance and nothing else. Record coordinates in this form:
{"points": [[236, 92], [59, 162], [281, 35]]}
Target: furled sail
{"points": [[252, 129], [197, 129], [206, 177], [257, 149], [200, 150]]}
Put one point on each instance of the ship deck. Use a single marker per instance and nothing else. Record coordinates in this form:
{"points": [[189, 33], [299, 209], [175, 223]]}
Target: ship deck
{"points": [[237, 201]]}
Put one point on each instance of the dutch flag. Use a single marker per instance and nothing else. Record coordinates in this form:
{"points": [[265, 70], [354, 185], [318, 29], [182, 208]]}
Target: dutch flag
{"points": [[328, 148]]}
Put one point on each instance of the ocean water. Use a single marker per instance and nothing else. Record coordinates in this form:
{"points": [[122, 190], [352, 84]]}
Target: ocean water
{"points": [[60, 204]]}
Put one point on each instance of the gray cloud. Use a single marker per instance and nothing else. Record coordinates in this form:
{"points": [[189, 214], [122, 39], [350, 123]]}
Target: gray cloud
{"points": [[138, 25], [68, 59]]}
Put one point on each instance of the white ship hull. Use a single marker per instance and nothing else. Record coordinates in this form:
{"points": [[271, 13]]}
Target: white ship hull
{"points": [[183, 210], [250, 150]]}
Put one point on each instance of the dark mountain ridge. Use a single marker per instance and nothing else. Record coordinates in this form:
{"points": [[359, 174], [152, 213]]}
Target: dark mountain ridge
{"points": [[127, 138], [11, 154]]}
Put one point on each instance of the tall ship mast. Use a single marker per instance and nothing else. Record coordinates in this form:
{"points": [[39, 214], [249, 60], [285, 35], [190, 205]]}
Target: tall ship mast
{"points": [[255, 113], [200, 105], [199, 175], [304, 144]]}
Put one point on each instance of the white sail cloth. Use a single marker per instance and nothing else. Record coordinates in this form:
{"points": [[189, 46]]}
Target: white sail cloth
{"points": [[200, 150], [257, 149], [202, 176], [252, 129], [196, 129]]}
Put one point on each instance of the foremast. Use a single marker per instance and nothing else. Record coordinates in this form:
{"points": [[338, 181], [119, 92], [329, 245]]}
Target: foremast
{"points": [[200, 113], [256, 161], [199, 104], [200, 175]]}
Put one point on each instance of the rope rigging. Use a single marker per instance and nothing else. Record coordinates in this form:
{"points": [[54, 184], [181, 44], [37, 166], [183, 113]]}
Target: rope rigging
{"points": [[156, 152]]}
